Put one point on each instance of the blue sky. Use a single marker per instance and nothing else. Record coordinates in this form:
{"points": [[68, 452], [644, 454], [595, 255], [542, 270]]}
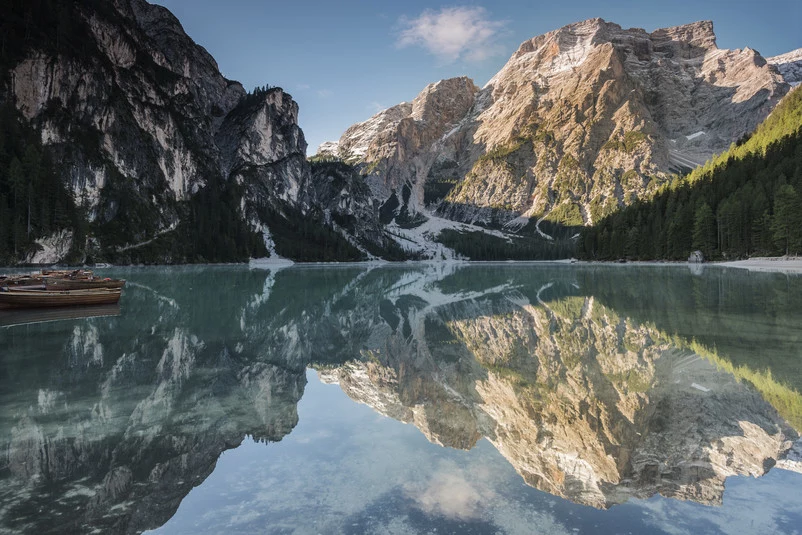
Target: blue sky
{"points": [[342, 61]]}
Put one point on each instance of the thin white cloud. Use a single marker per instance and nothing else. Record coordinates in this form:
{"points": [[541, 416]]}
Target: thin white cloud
{"points": [[304, 87], [324, 93], [453, 33], [376, 107]]}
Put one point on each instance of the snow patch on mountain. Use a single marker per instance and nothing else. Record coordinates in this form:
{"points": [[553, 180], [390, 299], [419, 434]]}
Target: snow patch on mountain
{"points": [[51, 249], [423, 239], [789, 65], [328, 148]]}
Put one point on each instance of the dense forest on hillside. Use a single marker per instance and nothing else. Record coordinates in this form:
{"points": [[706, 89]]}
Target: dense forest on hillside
{"points": [[482, 246], [210, 228], [745, 202], [33, 200]]}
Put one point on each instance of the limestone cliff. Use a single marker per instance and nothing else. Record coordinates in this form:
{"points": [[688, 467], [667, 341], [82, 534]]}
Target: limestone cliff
{"points": [[789, 65], [579, 121], [169, 160]]}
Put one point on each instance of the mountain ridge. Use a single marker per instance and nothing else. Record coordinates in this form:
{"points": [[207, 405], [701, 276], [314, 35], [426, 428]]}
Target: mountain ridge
{"points": [[581, 121], [789, 65], [167, 160]]}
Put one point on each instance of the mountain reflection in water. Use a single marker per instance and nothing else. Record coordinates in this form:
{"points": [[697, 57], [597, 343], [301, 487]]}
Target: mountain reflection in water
{"points": [[597, 384]]}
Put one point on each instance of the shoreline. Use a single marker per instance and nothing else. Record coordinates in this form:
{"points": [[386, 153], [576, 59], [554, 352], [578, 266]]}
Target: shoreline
{"points": [[766, 264], [780, 264]]}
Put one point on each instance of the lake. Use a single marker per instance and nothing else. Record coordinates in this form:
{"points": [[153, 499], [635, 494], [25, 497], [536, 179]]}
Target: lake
{"points": [[413, 398]]}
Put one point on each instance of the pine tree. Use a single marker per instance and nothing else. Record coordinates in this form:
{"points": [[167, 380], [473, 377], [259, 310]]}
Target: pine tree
{"points": [[786, 224], [704, 230]]}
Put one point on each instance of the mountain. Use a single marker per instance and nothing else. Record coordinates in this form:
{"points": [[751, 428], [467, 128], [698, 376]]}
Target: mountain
{"points": [[130, 420], [121, 141], [789, 65], [165, 158], [584, 403], [744, 202], [616, 424], [580, 121]]}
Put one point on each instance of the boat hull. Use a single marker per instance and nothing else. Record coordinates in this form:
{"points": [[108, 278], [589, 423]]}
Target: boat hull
{"points": [[43, 299]]}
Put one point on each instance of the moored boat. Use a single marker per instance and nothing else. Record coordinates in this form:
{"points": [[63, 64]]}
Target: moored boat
{"points": [[66, 273], [77, 279], [82, 284], [21, 280], [34, 298]]}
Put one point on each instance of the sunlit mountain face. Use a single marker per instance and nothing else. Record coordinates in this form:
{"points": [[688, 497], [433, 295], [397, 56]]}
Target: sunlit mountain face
{"points": [[592, 386]]}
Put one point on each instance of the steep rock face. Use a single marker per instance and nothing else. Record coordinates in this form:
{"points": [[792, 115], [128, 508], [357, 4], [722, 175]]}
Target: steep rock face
{"points": [[264, 150], [145, 95], [397, 142], [789, 65], [348, 206], [141, 121], [580, 121]]}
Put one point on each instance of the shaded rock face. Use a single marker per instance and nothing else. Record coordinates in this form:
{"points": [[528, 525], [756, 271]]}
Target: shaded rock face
{"points": [[345, 200], [141, 120], [580, 121], [148, 98], [789, 65]]}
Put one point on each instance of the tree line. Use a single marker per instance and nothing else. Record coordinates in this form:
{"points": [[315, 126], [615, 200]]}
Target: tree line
{"points": [[745, 202], [479, 245], [33, 200]]}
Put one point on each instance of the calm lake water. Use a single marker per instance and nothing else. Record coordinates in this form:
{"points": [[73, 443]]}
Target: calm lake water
{"points": [[505, 398]]}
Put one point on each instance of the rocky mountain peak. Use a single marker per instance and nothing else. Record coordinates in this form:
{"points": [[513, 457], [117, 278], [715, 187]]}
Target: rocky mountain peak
{"points": [[154, 142], [439, 103], [570, 34], [565, 47], [698, 34], [444, 100], [569, 46], [580, 121], [354, 143], [166, 31], [789, 65]]}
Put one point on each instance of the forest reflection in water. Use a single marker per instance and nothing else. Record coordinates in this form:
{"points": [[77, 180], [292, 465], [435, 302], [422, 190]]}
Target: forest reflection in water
{"points": [[596, 384]]}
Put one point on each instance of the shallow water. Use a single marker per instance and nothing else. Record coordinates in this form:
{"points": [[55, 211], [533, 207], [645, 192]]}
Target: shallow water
{"points": [[492, 398]]}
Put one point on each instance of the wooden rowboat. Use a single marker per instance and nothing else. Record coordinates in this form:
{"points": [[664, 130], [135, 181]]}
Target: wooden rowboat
{"points": [[61, 280], [25, 298], [21, 280], [82, 284]]}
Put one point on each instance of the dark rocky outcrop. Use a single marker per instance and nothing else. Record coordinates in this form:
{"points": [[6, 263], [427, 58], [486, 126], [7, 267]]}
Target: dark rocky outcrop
{"points": [[169, 160]]}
